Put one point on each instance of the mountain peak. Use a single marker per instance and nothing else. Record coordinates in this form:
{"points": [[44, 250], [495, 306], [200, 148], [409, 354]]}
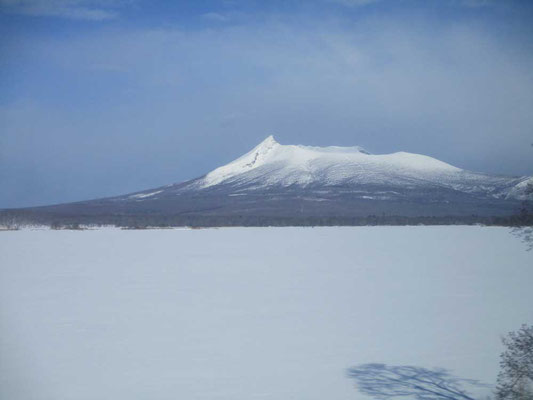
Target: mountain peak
{"points": [[269, 141], [270, 163], [262, 148], [275, 180], [247, 162]]}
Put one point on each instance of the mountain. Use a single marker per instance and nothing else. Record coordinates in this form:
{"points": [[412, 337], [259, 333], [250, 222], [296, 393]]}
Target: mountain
{"points": [[273, 182]]}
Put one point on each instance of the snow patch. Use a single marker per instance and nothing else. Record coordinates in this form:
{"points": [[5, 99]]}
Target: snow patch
{"points": [[144, 195], [522, 190]]}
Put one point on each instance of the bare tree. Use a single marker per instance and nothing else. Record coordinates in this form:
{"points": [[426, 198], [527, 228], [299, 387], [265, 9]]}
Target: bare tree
{"points": [[524, 224], [384, 382], [515, 380]]}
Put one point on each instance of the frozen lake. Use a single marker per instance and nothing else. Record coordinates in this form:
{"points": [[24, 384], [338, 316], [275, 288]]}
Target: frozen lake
{"points": [[251, 313]]}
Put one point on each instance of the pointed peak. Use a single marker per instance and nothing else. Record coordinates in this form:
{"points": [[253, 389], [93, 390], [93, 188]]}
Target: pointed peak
{"points": [[266, 145], [253, 159], [269, 141]]}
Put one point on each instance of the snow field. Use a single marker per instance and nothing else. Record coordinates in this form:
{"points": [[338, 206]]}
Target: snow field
{"points": [[251, 313]]}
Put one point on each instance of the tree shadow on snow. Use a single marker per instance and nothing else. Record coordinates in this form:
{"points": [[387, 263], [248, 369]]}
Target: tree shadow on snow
{"points": [[383, 382]]}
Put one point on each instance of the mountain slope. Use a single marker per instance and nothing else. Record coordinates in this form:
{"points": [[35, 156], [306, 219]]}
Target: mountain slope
{"points": [[288, 181], [270, 164], [272, 167]]}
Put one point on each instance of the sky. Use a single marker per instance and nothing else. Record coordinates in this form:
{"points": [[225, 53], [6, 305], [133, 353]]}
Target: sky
{"points": [[106, 97]]}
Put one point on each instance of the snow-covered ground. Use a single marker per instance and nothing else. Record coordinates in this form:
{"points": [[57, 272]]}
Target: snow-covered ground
{"points": [[245, 313]]}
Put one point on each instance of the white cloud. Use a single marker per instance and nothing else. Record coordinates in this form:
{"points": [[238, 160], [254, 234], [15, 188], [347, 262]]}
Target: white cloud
{"points": [[91, 10], [189, 100]]}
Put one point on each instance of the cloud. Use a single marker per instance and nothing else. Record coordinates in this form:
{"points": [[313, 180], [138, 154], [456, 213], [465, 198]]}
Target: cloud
{"points": [[90, 10], [183, 101]]}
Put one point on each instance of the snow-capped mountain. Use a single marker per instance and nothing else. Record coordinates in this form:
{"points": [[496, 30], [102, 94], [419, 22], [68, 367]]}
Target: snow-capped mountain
{"points": [[271, 164], [294, 181], [273, 167]]}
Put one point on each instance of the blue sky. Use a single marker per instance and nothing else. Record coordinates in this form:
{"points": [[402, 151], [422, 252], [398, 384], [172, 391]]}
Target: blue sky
{"points": [[104, 97]]}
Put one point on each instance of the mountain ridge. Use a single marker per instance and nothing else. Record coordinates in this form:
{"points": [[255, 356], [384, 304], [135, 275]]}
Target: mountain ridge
{"points": [[311, 159], [276, 182], [270, 163]]}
